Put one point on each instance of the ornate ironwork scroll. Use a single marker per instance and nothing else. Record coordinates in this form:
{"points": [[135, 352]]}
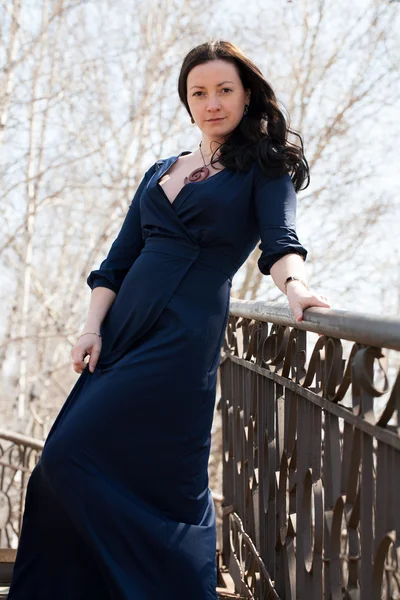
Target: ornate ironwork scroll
{"points": [[311, 455], [18, 456]]}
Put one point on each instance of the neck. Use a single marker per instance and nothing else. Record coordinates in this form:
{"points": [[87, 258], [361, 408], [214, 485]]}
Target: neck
{"points": [[208, 146]]}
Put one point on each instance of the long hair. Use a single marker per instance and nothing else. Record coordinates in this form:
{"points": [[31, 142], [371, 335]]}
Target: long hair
{"points": [[262, 134]]}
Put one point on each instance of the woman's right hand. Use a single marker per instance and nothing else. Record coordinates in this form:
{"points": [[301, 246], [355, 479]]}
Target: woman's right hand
{"points": [[88, 344]]}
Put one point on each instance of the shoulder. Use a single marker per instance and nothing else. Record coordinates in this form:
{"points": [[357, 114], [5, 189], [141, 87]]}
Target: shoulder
{"points": [[161, 162], [153, 168], [270, 181]]}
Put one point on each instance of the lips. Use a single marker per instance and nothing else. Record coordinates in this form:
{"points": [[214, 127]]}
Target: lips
{"points": [[215, 120]]}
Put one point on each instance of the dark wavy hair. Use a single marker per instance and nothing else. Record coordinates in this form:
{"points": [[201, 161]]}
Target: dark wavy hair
{"points": [[262, 134]]}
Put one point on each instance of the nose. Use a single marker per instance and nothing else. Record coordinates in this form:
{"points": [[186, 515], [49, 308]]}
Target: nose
{"points": [[214, 104]]}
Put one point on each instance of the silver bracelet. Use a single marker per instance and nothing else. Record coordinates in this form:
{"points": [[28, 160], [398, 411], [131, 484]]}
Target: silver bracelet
{"points": [[89, 333], [294, 278]]}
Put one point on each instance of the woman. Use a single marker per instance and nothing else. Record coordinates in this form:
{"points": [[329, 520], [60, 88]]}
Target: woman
{"points": [[118, 506]]}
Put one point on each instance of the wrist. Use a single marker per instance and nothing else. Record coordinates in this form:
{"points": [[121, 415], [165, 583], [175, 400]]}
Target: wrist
{"points": [[294, 282], [92, 325], [86, 333], [295, 287]]}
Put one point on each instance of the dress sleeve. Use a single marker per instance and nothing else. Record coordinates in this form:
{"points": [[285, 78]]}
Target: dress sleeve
{"points": [[126, 247], [275, 205]]}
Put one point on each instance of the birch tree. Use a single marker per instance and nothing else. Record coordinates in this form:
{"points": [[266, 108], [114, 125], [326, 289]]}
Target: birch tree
{"points": [[89, 100]]}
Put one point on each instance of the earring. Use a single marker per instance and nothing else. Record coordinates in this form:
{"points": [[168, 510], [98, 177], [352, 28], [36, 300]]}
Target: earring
{"points": [[246, 109]]}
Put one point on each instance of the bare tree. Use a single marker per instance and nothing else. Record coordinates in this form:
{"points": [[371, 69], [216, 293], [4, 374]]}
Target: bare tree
{"points": [[334, 67], [79, 99], [88, 101]]}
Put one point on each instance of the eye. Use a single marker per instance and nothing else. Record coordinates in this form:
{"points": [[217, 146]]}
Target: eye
{"points": [[226, 89], [195, 93]]}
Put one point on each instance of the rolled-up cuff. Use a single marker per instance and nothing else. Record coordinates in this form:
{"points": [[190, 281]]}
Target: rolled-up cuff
{"points": [[95, 280], [265, 261]]}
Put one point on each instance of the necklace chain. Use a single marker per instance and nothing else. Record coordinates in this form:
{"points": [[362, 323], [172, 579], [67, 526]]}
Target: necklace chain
{"points": [[203, 157]]}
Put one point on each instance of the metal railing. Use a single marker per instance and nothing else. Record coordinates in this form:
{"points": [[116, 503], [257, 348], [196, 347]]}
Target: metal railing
{"points": [[18, 456], [311, 453], [311, 456]]}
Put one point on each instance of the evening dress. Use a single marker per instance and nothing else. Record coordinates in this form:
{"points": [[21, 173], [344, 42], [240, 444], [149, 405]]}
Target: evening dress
{"points": [[118, 506]]}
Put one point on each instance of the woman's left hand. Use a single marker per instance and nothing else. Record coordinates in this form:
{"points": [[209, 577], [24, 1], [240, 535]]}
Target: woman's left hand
{"points": [[300, 298]]}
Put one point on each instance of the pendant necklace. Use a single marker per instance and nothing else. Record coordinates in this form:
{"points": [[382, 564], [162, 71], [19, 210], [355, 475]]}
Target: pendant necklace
{"points": [[200, 173]]}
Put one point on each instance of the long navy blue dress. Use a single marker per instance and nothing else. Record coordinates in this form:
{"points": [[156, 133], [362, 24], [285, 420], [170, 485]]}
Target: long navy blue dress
{"points": [[118, 506]]}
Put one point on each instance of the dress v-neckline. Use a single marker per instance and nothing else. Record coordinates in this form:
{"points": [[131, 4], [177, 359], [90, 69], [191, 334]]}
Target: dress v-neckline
{"points": [[185, 186]]}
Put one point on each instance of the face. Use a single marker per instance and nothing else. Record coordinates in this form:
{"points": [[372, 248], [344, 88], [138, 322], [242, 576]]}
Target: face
{"points": [[216, 97]]}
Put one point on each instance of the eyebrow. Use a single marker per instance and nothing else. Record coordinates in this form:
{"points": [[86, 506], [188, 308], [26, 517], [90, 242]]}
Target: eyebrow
{"points": [[202, 86]]}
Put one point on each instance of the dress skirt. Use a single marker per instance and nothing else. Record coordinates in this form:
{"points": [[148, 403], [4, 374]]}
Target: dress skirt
{"points": [[118, 506]]}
